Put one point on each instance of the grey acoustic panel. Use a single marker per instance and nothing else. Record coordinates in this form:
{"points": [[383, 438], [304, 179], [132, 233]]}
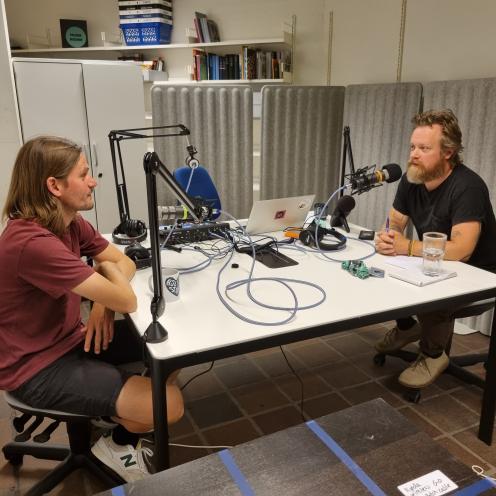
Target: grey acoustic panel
{"points": [[301, 140], [474, 103], [379, 117], [221, 122]]}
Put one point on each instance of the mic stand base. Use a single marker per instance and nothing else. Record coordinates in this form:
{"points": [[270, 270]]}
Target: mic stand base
{"points": [[340, 222], [156, 333]]}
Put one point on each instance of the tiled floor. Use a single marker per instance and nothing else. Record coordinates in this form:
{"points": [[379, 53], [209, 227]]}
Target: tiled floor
{"points": [[256, 394]]}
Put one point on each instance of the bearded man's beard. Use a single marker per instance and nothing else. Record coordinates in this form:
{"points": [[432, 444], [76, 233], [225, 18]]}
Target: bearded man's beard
{"points": [[418, 174]]}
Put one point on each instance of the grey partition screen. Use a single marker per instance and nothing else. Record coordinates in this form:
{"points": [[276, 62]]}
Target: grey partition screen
{"points": [[379, 118], [221, 124], [301, 140], [474, 103]]}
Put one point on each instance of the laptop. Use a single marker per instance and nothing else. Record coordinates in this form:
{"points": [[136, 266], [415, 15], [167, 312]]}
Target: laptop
{"points": [[276, 215]]}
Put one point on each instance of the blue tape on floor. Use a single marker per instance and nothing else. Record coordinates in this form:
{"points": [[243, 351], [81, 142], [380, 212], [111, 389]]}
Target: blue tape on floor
{"points": [[476, 488], [118, 491], [345, 458], [236, 474]]}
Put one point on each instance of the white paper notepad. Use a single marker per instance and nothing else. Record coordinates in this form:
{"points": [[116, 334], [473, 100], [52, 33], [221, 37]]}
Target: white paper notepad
{"points": [[409, 269]]}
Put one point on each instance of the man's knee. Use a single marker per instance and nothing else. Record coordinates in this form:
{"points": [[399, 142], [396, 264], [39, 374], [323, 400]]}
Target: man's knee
{"points": [[175, 404]]}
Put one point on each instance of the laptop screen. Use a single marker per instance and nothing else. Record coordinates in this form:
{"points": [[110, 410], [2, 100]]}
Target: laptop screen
{"points": [[278, 214]]}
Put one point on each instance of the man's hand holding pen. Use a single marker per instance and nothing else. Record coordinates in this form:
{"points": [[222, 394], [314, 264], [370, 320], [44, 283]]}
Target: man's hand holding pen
{"points": [[390, 242]]}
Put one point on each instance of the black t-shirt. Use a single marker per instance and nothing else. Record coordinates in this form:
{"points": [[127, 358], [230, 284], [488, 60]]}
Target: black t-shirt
{"points": [[462, 197]]}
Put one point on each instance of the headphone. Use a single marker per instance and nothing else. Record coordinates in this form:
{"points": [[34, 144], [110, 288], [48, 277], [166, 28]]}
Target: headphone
{"points": [[140, 255], [129, 231], [311, 236]]}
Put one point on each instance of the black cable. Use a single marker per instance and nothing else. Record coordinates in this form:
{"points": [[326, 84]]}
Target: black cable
{"points": [[196, 376], [302, 397]]}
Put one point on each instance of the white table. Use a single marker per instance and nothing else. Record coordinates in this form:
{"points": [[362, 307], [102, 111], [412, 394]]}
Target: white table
{"points": [[201, 329]]}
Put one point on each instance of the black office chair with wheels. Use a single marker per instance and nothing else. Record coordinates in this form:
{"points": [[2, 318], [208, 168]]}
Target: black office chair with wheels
{"points": [[76, 455], [457, 364]]}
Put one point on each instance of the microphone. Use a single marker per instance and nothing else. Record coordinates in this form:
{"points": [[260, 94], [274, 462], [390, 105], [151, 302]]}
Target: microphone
{"points": [[361, 182], [180, 212], [344, 206]]}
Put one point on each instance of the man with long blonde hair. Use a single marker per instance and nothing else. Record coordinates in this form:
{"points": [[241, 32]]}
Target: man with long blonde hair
{"points": [[49, 358]]}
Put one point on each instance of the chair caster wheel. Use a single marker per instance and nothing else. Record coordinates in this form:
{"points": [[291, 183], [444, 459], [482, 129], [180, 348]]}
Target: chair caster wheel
{"points": [[412, 396], [14, 459], [380, 359]]}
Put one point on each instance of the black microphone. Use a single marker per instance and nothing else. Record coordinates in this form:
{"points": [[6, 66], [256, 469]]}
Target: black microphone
{"points": [[344, 206], [180, 212], [361, 182]]}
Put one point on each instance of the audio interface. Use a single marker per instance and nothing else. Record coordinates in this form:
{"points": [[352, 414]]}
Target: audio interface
{"points": [[193, 233]]}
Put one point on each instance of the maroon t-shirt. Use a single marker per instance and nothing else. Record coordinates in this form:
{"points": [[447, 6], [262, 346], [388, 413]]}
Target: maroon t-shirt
{"points": [[39, 315]]}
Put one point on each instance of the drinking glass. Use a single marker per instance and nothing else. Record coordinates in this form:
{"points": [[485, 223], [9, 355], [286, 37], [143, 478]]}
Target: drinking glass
{"points": [[434, 245]]}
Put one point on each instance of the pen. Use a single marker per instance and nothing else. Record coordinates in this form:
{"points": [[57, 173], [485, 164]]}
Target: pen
{"points": [[387, 224]]}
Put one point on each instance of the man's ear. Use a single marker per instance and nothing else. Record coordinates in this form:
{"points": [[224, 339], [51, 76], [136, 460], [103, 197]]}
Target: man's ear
{"points": [[448, 154], [53, 186]]}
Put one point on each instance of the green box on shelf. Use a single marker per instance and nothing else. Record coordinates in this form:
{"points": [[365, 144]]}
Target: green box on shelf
{"points": [[74, 33]]}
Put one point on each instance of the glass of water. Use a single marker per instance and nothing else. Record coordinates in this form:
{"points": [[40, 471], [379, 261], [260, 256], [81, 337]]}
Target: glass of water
{"points": [[434, 245]]}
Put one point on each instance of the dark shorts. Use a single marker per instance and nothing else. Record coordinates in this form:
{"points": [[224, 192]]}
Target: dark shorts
{"points": [[85, 383]]}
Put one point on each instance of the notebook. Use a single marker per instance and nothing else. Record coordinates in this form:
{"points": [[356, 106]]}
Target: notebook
{"points": [[409, 269], [279, 213]]}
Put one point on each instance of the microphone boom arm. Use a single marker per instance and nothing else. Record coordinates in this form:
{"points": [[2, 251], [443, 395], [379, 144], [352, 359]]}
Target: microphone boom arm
{"points": [[152, 165]]}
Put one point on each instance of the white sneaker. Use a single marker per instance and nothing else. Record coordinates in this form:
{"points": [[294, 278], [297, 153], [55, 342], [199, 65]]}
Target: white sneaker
{"points": [[129, 463]]}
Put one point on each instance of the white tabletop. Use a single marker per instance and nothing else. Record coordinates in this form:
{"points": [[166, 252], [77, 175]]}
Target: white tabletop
{"points": [[199, 322]]}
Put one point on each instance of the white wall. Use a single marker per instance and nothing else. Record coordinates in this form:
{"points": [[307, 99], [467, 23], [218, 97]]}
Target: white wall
{"points": [[9, 130], [444, 39], [450, 39], [365, 40]]}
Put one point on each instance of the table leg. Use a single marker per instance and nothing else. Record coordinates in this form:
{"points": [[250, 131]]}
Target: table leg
{"points": [[488, 410], [159, 377]]}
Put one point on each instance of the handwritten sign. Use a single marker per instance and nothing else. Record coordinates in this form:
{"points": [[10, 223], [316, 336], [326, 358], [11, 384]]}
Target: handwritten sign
{"points": [[433, 484]]}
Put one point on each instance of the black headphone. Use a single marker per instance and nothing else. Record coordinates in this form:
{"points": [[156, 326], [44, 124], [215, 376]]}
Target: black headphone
{"points": [[311, 236], [129, 231], [140, 255]]}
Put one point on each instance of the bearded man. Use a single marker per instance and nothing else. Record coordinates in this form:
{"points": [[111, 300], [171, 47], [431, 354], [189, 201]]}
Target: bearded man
{"points": [[438, 193]]}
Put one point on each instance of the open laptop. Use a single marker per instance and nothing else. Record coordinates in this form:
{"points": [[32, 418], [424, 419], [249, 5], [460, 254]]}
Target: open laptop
{"points": [[276, 215]]}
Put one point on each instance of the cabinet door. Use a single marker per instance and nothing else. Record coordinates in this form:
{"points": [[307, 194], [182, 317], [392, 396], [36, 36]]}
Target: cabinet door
{"points": [[115, 100], [51, 101]]}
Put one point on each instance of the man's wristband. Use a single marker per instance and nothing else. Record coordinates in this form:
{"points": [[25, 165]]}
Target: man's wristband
{"points": [[410, 247]]}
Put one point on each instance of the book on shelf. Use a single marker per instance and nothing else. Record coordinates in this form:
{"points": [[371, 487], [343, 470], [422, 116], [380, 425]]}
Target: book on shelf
{"points": [[142, 3], [213, 30], [202, 23], [249, 64], [157, 15], [199, 33], [206, 29], [145, 8], [140, 20], [250, 56]]}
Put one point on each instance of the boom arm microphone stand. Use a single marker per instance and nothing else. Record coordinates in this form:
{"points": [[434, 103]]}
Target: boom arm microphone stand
{"points": [[152, 165], [354, 174]]}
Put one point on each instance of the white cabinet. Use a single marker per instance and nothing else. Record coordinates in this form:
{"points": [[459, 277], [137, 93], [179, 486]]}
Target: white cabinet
{"points": [[83, 101]]}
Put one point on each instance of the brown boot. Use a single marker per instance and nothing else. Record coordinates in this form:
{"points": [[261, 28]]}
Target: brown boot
{"points": [[395, 339], [424, 371]]}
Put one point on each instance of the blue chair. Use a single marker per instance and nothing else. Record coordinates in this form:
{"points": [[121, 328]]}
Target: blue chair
{"points": [[198, 183]]}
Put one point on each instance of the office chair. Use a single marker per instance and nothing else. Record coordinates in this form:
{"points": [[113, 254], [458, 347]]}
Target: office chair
{"points": [[76, 455], [456, 363]]}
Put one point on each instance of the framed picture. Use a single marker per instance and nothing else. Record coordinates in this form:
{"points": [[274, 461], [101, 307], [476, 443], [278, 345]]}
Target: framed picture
{"points": [[74, 33]]}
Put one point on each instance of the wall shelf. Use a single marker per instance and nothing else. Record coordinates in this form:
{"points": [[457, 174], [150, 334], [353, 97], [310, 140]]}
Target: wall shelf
{"points": [[286, 40], [170, 82]]}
